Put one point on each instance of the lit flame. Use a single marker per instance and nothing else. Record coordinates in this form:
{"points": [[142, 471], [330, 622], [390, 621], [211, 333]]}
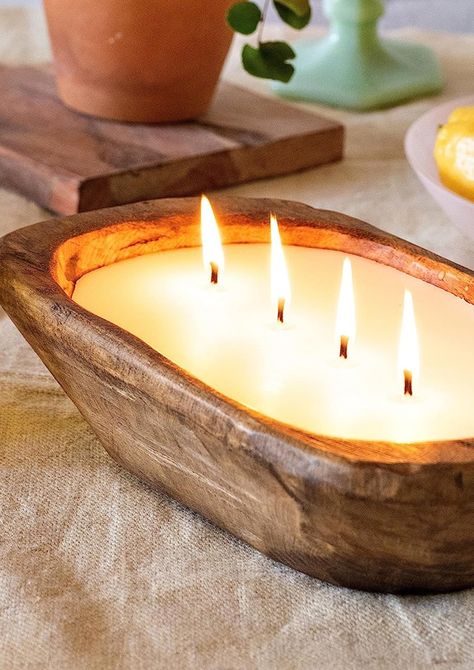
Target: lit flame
{"points": [[280, 281], [212, 253], [408, 351], [346, 317]]}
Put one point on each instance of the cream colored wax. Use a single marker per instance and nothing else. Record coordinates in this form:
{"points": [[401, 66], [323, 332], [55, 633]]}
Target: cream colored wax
{"points": [[228, 337]]}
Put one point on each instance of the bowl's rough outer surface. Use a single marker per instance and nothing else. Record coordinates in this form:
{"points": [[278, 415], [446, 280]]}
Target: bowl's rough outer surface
{"points": [[375, 516], [419, 148]]}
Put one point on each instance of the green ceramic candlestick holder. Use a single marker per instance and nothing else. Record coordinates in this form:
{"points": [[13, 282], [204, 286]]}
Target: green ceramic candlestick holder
{"points": [[354, 67]]}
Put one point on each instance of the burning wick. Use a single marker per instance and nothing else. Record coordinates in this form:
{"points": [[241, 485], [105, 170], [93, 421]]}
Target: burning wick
{"points": [[280, 282], [345, 319], [212, 253], [343, 346], [408, 352], [408, 378], [281, 310]]}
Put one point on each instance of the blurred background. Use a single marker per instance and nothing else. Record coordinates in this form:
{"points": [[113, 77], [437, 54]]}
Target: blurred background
{"points": [[452, 15]]}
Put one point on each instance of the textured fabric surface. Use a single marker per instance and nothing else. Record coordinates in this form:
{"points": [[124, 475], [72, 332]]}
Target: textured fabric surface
{"points": [[97, 571]]}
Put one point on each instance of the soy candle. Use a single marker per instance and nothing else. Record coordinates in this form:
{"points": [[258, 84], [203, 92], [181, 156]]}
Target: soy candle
{"points": [[227, 335]]}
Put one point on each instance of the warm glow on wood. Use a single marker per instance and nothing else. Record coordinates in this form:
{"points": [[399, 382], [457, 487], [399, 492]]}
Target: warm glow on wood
{"points": [[280, 281], [346, 319], [212, 253]]}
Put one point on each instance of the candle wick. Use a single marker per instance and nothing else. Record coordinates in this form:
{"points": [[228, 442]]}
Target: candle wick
{"points": [[214, 272], [281, 309], [343, 346], [408, 390]]}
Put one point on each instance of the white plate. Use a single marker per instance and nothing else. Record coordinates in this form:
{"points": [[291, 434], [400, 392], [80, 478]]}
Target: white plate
{"points": [[419, 147]]}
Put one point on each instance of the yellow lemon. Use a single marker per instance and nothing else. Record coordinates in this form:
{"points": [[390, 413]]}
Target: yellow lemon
{"points": [[454, 152], [462, 114]]}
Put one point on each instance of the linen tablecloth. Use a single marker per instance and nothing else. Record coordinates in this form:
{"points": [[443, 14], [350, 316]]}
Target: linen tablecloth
{"points": [[98, 571]]}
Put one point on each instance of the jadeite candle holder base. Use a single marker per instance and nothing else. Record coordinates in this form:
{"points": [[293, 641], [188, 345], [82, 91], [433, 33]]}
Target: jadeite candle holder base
{"points": [[368, 515], [355, 68]]}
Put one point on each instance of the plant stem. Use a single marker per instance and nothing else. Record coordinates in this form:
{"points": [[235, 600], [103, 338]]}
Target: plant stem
{"points": [[262, 21]]}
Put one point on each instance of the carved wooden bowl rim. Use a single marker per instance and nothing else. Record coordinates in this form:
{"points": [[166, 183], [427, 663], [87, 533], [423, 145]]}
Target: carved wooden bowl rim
{"points": [[55, 253]]}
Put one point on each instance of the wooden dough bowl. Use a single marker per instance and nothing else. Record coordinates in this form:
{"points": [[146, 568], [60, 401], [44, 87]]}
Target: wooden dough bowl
{"points": [[367, 515]]}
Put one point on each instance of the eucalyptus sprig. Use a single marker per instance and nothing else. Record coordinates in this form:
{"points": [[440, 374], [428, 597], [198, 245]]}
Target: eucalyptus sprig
{"points": [[268, 60]]}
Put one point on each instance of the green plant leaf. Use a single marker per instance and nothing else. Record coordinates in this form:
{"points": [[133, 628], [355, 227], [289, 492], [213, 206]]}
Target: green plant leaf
{"points": [[244, 17], [298, 7], [268, 61], [290, 17], [277, 51]]}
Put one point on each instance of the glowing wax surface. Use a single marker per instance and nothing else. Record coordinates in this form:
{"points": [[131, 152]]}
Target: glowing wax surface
{"points": [[228, 337]]}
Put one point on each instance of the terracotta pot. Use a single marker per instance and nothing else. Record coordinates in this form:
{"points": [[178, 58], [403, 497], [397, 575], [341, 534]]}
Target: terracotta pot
{"points": [[138, 60]]}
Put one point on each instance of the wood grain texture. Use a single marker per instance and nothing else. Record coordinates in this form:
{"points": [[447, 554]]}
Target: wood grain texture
{"points": [[69, 163], [369, 515]]}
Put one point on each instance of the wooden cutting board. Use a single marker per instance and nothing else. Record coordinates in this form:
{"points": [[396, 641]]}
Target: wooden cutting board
{"points": [[70, 163]]}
